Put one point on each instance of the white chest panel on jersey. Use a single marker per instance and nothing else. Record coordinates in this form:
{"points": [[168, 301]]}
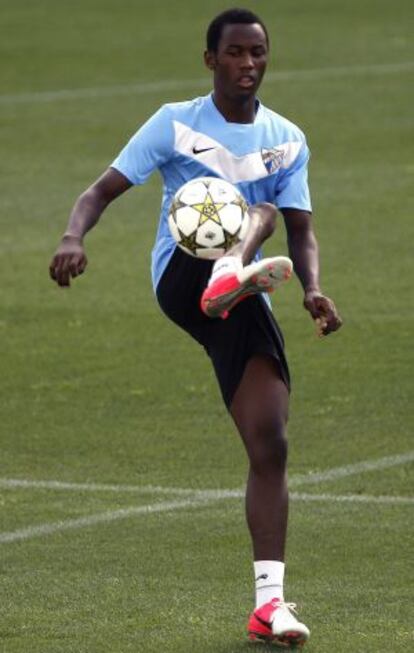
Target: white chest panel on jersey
{"points": [[229, 166]]}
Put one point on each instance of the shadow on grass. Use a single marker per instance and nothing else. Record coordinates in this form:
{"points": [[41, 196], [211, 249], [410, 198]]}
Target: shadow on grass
{"points": [[250, 647]]}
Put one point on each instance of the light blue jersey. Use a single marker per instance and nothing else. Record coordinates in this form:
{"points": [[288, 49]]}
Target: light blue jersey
{"points": [[267, 159]]}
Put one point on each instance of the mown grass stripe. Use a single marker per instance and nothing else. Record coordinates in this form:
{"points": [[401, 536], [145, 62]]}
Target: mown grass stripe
{"points": [[146, 88]]}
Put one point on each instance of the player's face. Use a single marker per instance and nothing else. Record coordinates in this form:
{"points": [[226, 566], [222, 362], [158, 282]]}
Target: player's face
{"points": [[240, 61]]}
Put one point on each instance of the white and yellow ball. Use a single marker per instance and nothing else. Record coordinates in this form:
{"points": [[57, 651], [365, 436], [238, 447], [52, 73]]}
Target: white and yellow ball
{"points": [[207, 217]]}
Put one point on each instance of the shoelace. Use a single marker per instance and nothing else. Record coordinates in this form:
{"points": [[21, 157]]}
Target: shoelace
{"points": [[283, 604]]}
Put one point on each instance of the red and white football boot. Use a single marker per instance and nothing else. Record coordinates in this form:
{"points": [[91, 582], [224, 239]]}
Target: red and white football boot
{"points": [[275, 623], [229, 288]]}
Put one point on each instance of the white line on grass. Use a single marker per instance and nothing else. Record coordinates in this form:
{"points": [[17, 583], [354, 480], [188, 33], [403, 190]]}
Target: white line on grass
{"points": [[42, 530], [10, 483], [350, 470], [352, 498], [296, 480], [144, 88], [196, 497], [99, 518]]}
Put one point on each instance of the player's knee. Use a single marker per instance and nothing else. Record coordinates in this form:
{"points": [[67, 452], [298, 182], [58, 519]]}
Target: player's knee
{"points": [[270, 448]]}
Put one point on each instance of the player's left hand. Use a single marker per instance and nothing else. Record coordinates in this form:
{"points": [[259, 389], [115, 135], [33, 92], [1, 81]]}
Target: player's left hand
{"points": [[323, 311]]}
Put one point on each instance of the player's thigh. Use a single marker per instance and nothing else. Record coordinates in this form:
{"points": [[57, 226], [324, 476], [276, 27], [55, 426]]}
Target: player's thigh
{"points": [[260, 408], [179, 292]]}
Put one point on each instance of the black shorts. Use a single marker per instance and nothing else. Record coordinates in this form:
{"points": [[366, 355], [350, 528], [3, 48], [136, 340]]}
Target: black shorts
{"points": [[250, 328]]}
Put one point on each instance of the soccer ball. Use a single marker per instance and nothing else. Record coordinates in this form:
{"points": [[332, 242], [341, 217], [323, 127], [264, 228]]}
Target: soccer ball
{"points": [[208, 216]]}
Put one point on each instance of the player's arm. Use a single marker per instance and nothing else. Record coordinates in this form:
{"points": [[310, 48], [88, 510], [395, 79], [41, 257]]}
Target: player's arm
{"points": [[70, 259], [304, 252]]}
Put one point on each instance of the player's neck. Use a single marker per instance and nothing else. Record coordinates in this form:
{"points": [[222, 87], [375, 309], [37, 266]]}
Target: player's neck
{"points": [[242, 111]]}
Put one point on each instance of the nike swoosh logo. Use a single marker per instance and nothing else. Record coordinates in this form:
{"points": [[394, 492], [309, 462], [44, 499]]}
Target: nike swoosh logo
{"points": [[264, 576], [203, 149]]}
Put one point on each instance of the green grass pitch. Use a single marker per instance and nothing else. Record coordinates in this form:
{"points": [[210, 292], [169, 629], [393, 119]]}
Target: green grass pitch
{"points": [[99, 390]]}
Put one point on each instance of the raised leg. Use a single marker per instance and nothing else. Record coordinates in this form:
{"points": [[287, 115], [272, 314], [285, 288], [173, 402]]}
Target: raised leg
{"points": [[234, 278], [262, 225]]}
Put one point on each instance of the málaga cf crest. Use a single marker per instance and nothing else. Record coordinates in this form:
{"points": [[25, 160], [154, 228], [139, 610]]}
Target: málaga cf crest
{"points": [[272, 159]]}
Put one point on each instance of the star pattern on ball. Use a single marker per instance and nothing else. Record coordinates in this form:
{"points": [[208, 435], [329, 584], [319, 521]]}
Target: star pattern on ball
{"points": [[230, 239], [240, 201], [177, 204], [189, 242], [209, 210]]}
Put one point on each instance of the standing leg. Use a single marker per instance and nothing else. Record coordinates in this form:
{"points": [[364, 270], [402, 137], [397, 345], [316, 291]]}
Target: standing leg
{"points": [[260, 411]]}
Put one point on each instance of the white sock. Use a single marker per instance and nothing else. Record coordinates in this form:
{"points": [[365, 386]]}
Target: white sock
{"points": [[225, 265], [269, 580]]}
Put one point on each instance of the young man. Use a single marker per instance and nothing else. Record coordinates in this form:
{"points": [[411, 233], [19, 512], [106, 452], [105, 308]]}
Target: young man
{"points": [[230, 134]]}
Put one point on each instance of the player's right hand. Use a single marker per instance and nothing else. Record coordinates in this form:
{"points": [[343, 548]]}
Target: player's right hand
{"points": [[69, 261]]}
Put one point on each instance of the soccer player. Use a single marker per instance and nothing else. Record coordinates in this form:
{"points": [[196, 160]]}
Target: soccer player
{"points": [[230, 134]]}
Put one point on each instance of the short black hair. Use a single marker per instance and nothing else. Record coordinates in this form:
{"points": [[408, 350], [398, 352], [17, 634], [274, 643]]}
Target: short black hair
{"points": [[230, 17]]}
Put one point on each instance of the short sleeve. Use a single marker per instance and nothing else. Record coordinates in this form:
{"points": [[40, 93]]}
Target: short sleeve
{"points": [[149, 148], [292, 190]]}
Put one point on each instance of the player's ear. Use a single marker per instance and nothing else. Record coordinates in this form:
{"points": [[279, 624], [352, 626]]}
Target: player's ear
{"points": [[210, 59]]}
